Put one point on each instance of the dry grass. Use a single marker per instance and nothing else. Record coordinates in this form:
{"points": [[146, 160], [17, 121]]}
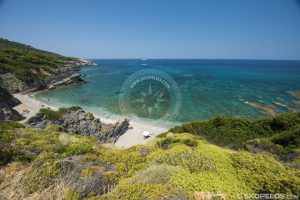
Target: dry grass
{"points": [[11, 185]]}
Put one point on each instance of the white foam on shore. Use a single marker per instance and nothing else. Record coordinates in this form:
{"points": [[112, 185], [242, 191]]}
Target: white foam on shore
{"points": [[30, 106]]}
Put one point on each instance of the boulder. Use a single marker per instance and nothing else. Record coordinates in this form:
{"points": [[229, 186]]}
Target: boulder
{"points": [[7, 102], [110, 133]]}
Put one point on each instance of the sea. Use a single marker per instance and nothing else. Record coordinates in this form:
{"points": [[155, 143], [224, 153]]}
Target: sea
{"points": [[173, 91]]}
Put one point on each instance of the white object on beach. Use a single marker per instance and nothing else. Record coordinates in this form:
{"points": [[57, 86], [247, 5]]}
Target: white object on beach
{"points": [[146, 134]]}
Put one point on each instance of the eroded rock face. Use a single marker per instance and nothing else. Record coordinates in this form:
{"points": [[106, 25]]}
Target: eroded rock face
{"points": [[76, 120], [111, 132], [54, 78], [11, 83], [7, 102], [81, 123], [10, 114]]}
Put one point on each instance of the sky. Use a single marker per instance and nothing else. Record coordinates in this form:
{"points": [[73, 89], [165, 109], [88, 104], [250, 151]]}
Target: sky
{"points": [[221, 29]]}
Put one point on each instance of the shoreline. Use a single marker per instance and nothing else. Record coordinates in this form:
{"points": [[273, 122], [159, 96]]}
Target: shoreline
{"points": [[134, 136]]}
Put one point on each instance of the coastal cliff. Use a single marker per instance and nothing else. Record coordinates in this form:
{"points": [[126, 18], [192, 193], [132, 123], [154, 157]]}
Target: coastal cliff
{"points": [[24, 68]]}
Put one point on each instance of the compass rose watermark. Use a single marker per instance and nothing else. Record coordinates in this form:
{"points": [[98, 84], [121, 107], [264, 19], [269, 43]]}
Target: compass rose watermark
{"points": [[151, 94]]}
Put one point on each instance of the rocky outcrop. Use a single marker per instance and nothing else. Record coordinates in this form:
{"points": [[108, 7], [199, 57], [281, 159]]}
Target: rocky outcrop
{"points": [[71, 169], [111, 132], [54, 78], [10, 114], [11, 83], [73, 119], [76, 120], [7, 102], [75, 78]]}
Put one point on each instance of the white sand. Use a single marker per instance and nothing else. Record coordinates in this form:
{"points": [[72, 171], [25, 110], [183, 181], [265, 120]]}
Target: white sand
{"points": [[30, 106]]}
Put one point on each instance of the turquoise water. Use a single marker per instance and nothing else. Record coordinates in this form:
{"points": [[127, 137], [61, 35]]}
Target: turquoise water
{"points": [[182, 90]]}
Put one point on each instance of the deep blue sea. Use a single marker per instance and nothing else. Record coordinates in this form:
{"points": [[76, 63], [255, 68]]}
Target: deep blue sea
{"points": [[183, 90]]}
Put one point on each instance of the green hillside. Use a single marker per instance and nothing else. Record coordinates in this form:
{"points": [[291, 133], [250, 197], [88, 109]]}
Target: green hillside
{"points": [[49, 164], [279, 135], [26, 62]]}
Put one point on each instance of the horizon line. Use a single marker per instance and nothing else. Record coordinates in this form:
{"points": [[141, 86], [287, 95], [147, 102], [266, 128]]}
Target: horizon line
{"points": [[242, 59]]}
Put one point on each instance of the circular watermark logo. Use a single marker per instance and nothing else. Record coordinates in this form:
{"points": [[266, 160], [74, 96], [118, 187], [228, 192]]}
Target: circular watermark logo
{"points": [[151, 94]]}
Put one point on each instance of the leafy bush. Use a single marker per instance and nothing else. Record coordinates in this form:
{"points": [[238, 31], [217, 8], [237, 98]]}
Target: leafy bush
{"points": [[181, 156], [91, 170], [155, 174], [53, 127], [56, 115], [140, 190], [165, 143], [72, 195], [269, 177], [50, 114], [76, 148], [235, 132], [43, 174], [5, 125]]}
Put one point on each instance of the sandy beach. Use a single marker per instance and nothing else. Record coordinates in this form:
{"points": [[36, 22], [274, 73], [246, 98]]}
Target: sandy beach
{"points": [[30, 106]]}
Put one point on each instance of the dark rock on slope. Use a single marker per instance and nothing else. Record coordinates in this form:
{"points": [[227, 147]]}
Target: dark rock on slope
{"points": [[76, 120], [7, 102], [111, 132], [71, 173]]}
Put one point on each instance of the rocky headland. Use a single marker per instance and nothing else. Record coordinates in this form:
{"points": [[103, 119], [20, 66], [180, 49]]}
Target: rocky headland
{"points": [[25, 69], [76, 120]]}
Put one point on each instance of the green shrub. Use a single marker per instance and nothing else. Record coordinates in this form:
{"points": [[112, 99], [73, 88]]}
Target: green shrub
{"points": [[127, 161], [140, 190], [41, 176], [236, 132], [50, 114], [90, 115], [181, 156], [76, 148], [263, 174], [53, 127], [155, 174], [7, 154], [190, 142], [167, 142], [4, 125], [72, 195], [91, 170]]}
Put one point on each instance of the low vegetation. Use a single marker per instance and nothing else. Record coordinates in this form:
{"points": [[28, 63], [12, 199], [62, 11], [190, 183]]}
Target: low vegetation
{"points": [[56, 115], [49, 164], [279, 135]]}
